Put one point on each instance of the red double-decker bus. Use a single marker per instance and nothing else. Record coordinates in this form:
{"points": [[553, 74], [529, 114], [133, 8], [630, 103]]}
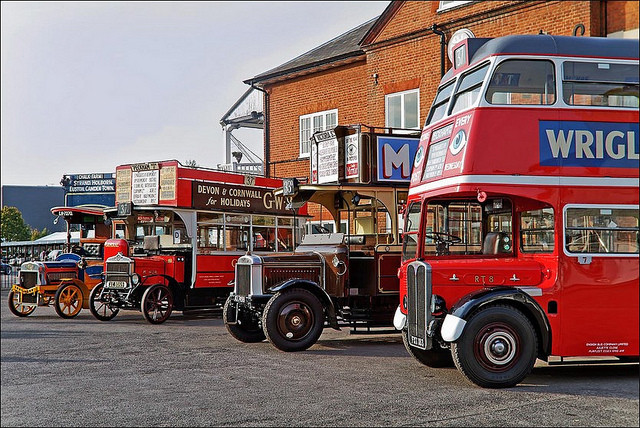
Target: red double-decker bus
{"points": [[521, 227], [179, 232]]}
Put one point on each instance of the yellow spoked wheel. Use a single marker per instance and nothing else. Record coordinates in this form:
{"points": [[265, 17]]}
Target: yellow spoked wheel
{"points": [[16, 306], [68, 301]]}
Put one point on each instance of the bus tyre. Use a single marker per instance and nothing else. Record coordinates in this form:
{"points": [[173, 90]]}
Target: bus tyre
{"points": [[17, 308], [293, 320], [101, 309], [497, 349], [435, 358], [157, 304], [245, 329], [68, 300]]}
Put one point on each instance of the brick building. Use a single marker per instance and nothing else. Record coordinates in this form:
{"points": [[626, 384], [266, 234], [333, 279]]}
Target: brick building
{"points": [[385, 72]]}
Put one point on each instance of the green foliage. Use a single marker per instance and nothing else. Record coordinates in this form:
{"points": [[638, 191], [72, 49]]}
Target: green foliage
{"points": [[36, 234], [12, 225]]}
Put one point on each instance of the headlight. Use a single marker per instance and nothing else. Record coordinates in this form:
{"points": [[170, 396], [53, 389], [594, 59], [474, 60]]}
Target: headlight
{"points": [[135, 279]]}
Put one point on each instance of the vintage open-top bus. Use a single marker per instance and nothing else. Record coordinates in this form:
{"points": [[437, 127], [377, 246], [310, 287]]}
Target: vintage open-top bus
{"points": [[179, 232], [521, 231]]}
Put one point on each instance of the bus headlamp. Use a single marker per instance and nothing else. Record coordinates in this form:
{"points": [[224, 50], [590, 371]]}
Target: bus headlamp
{"points": [[135, 279]]}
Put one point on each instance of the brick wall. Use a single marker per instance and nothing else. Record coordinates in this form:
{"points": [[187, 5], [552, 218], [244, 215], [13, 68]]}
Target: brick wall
{"points": [[342, 88]]}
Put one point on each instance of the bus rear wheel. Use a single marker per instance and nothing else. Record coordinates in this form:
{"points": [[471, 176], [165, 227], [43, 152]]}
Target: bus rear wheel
{"points": [[497, 349], [16, 306], [243, 327], [435, 358], [293, 320]]}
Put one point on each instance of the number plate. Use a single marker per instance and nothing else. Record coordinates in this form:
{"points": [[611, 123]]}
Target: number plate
{"points": [[116, 284]]}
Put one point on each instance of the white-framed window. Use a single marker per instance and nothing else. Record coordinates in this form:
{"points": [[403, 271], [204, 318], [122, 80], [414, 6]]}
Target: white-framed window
{"points": [[444, 5], [602, 230], [402, 109], [311, 123]]}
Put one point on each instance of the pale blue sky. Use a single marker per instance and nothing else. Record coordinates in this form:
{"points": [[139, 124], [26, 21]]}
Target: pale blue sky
{"points": [[87, 86]]}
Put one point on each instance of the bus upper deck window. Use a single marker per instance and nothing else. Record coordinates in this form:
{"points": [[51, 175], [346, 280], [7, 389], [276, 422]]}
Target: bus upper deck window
{"points": [[600, 84], [522, 82], [469, 89], [439, 107]]}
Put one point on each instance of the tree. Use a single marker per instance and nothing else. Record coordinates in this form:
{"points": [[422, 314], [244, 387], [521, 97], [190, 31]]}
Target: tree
{"points": [[37, 234], [13, 226]]}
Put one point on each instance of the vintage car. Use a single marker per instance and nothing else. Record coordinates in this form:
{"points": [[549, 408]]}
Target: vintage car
{"points": [[67, 281]]}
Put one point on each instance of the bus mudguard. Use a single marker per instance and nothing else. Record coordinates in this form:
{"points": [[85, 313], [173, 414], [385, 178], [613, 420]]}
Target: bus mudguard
{"points": [[318, 291], [455, 320]]}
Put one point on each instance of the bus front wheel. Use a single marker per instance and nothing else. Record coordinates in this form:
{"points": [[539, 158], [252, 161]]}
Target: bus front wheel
{"points": [[497, 349], [99, 307], [293, 320]]}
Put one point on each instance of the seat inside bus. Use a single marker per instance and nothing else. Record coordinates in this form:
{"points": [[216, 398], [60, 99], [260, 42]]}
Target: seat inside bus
{"points": [[496, 243]]}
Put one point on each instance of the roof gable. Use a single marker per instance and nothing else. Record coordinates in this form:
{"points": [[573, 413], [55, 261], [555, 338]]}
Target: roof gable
{"points": [[339, 49], [401, 18]]}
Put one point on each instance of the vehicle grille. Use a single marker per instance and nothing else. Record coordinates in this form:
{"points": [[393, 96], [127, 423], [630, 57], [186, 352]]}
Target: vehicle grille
{"points": [[28, 279], [274, 276], [55, 277], [243, 280], [418, 295], [118, 267]]}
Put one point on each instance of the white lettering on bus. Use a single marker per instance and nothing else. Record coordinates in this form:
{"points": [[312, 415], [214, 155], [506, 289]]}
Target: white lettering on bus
{"points": [[463, 120], [584, 140]]}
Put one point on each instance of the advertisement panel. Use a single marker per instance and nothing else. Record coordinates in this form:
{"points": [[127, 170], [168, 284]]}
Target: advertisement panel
{"points": [[232, 197], [395, 157], [96, 189], [327, 148]]}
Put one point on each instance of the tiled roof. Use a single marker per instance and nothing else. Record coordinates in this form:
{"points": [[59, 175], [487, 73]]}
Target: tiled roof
{"points": [[340, 48]]}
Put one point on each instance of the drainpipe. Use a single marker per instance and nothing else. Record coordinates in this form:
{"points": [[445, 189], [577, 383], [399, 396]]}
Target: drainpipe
{"points": [[443, 44], [267, 148]]}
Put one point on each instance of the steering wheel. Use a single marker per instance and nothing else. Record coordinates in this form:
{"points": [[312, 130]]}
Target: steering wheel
{"points": [[443, 240], [322, 228]]}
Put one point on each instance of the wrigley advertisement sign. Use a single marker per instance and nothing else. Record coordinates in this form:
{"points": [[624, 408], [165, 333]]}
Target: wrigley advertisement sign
{"points": [[213, 196]]}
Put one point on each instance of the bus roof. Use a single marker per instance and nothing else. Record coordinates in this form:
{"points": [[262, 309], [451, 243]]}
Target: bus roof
{"points": [[544, 44], [76, 215]]}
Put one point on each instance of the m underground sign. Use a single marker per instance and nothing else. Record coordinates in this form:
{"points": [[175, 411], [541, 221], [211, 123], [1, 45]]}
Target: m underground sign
{"points": [[233, 197]]}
